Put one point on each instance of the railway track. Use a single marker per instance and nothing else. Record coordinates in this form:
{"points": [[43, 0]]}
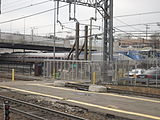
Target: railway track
{"points": [[85, 87], [112, 90], [36, 112]]}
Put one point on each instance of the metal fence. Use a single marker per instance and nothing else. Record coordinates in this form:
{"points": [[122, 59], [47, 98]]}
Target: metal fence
{"points": [[117, 72], [73, 70], [19, 71], [135, 72]]}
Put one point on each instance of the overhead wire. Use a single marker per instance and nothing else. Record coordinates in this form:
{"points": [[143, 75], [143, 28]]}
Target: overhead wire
{"points": [[127, 15], [38, 13], [20, 8], [124, 31], [129, 25], [7, 3], [9, 6], [137, 14]]}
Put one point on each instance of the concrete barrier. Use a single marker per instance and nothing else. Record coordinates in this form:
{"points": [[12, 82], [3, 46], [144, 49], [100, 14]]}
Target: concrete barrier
{"points": [[59, 83], [97, 88]]}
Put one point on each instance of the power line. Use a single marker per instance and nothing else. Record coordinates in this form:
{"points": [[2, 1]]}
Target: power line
{"points": [[127, 24], [9, 6], [138, 24], [6, 3], [13, 10], [30, 15], [144, 13], [153, 31], [123, 31], [127, 15]]}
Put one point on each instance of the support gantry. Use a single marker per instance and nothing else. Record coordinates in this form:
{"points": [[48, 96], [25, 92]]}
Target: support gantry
{"points": [[105, 8]]}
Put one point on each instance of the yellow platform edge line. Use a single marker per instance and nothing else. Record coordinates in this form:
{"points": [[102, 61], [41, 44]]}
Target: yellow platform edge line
{"points": [[108, 94], [84, 103]]}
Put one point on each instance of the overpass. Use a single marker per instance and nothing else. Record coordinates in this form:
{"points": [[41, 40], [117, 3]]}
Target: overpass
{"points": [[42, 43], [29, 42]]}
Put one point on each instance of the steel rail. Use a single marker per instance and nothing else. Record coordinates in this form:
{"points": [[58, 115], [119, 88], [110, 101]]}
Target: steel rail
{"points": [[42, 108], [14, 110], [119, 91]]}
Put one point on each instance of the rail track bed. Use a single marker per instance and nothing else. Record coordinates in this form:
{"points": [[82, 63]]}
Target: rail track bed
{"points": [[42, 108], [34, 111]]}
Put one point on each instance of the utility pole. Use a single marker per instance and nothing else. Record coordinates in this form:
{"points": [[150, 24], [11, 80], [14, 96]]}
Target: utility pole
{"points": [[86, 43], [54, 32], [24, 29], [77, 41], [108, 40], [32, 34], [158, 24], [0, 33], [54, 41], [0, 7], [147, 27], [90, 39]]}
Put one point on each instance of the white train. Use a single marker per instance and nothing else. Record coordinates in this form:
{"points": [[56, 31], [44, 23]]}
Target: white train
{"points": [[32, 57], [40, 57]]}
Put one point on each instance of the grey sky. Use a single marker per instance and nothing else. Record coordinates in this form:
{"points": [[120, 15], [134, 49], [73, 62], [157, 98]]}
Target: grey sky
{"points": [[44, 22]]}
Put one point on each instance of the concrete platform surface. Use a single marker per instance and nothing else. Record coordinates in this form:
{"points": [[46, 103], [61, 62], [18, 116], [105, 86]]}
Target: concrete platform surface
{"points": [[135, 107]]}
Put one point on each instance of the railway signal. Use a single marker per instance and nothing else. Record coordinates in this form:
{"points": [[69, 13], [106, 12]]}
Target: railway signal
{"points": [[6, 110]]}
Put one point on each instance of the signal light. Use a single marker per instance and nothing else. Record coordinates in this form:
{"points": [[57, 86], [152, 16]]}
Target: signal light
{"points": [[6, 110]]}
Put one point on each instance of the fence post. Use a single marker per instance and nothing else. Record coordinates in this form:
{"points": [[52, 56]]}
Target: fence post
{"points": [[81, 72], [65, 70], [94, 78], [13, 75], [156, 74]]}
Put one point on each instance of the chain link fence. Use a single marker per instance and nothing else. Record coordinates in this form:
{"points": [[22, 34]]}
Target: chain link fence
{"points": [[121, 72]]}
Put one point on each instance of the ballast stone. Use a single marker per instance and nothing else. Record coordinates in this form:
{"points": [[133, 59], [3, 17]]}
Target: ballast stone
{"points": [[97, 88], [59, 83]]}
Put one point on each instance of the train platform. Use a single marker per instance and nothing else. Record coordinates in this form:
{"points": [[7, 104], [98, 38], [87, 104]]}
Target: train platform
{"points": [[128, 106]]}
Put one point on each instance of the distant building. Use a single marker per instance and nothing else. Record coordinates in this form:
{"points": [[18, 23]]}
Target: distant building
{"points": [[139, 43]]}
